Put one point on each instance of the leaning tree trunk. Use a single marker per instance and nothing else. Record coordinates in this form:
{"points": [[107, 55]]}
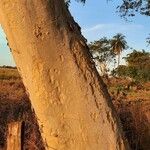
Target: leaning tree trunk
{"points": [[70, 100], [119, 59]]}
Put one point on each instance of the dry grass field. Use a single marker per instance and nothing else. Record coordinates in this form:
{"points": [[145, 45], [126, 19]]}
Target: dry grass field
{"points": [[15, 106], [131, 100]]}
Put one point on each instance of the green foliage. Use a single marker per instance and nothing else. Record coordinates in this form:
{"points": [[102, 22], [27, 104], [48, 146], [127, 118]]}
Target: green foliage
{"points": [[138, 66], [138, 59], [105, 50], [121, 71], [101, 50], [102, 54], [131, 7]]}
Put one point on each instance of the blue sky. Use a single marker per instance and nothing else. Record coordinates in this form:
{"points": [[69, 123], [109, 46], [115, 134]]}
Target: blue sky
{"points": [[98, 18], [5, 54]]}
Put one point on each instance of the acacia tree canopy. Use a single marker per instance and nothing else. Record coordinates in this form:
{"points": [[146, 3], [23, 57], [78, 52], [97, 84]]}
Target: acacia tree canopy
{"points": [[131, 7], [101, 50]]}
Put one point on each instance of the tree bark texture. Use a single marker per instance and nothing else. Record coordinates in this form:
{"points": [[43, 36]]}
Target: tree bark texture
{"points": [[72, 105]]}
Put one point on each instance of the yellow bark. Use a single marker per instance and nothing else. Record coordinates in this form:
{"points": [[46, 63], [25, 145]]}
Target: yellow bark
{"points": [[72, 105]]}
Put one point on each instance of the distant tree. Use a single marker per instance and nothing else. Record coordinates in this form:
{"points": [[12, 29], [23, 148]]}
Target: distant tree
{"points": [[118, 44], [139, 63], [121, 71], [102, 53], [140, 59], [138, 66]]}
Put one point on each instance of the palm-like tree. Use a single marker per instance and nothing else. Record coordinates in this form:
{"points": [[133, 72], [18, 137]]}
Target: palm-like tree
{"points": [[118, 44]]}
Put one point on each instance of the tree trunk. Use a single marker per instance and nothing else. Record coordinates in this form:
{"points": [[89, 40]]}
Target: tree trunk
{"points": [[103, 68], [14, 136], [72, 105], [118, 59]]}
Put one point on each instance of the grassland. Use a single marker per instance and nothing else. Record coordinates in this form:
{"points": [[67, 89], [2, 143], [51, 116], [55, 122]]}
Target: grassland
{"points": [[15, 106], [132, 103], [131, 100]]}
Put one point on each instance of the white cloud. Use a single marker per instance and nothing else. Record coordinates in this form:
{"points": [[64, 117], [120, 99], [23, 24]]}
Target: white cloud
{"points": [[110, 29], [113, 26]]}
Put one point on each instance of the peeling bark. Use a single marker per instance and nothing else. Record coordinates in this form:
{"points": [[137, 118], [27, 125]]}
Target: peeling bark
{"points": [[70, 100]]}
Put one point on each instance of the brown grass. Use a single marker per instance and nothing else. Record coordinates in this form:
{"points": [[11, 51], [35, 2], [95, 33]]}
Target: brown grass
{"points": [[15, 106], [132, 105]]}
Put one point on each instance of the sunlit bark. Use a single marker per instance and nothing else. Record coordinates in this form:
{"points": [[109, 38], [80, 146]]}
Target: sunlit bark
{"points": [[72, 105]]}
